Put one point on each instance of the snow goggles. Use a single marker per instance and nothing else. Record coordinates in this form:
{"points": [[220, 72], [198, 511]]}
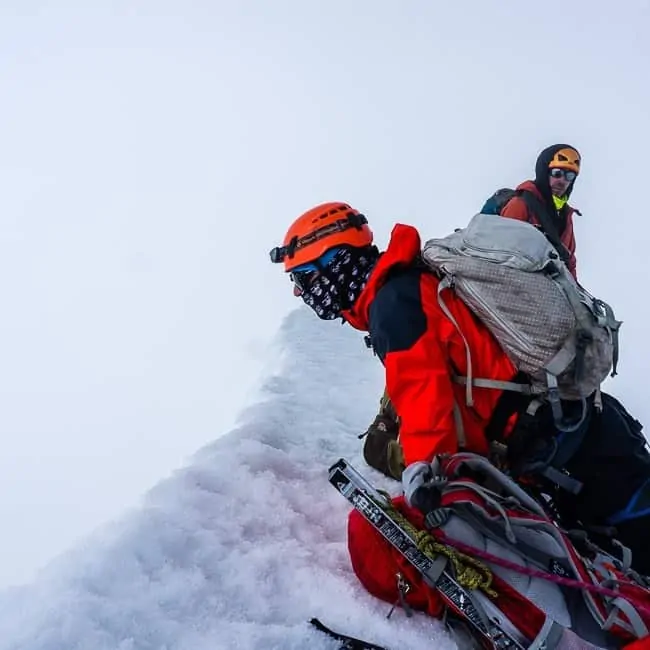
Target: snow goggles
{"points": [[303, 279], [304, 275], [567, 174]]}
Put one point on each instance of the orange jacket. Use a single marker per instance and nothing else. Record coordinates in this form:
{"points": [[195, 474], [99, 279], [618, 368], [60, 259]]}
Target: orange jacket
{"points": [[420, 348], [516, 208]]}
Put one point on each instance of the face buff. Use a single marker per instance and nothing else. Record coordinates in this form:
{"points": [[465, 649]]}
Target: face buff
{"points": [[340, 284]]}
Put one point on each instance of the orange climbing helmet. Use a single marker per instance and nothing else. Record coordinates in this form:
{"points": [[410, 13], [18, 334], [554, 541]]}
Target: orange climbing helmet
{"points": [[326, 226], [566, 158]]}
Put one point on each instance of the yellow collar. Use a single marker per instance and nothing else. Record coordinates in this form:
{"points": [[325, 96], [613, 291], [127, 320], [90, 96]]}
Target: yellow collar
{"points": [[560, 202]]}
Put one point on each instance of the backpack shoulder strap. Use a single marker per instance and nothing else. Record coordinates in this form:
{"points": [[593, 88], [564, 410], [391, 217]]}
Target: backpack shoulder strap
{"points": [[545, 218], [509, 403]]}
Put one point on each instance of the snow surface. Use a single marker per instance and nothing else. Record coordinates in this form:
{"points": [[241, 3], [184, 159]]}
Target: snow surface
{"points": [[240, 549]]}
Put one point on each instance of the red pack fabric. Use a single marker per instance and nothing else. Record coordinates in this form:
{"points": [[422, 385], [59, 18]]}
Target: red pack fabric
{"points": [[377, 565], [623, 616]]}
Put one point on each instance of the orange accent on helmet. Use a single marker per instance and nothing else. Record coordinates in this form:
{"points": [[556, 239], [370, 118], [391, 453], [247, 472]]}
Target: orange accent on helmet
{"points": [[566, 159], [320, 229]]}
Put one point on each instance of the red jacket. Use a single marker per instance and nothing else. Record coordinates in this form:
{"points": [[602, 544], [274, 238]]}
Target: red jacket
{"points": [[419, 347], [516, 208]]}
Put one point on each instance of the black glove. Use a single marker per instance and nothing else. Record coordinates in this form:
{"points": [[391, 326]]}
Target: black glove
{"points": [[381, 449]]}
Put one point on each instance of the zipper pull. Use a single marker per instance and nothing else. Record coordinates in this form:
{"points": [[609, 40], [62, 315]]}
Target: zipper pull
{"points": [[403, 587]]}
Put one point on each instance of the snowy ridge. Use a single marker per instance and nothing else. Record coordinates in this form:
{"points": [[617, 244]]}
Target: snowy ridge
{"points": [[246, 544]]}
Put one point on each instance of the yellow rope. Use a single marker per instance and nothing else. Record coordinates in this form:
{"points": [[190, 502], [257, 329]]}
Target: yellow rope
{"points": [[468, 571]]}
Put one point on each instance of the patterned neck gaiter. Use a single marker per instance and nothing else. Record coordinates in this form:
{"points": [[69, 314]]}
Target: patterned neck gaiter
{"points": [[340, 284]]}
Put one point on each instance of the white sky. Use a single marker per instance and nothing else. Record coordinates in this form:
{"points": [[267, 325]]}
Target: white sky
{"points": [[152, 152]]}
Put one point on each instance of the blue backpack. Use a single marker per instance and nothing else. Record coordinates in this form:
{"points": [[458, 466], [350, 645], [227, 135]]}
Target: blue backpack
{"points": [[498, 201]]}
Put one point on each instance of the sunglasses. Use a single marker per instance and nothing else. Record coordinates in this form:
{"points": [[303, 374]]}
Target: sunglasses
{"points": [[303, 279], [303, 276], [562, 173]]}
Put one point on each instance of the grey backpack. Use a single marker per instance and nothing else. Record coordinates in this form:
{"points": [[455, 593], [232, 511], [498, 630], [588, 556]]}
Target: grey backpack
{"points": [[512, 278]]}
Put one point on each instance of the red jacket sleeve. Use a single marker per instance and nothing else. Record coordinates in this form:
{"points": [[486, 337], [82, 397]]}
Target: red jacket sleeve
{"points": [[421, 350], [419, 385], [405, 334]]}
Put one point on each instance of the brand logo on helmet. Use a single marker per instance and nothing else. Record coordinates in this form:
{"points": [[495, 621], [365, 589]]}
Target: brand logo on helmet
{"points": [[566, 159]]}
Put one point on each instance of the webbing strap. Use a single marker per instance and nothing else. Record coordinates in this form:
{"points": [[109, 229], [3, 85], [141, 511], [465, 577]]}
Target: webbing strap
{"points": [[571, 485], [549, 636], [481, 382], [626, 554], [615, 352], [556, 407], [620, 604], [554, 397], [547, 221], [525, 545], [574, 300], [447, 283], [460, 429], [611, 324], [598, 400], [484, 466], [486, 496], [564, 356]]}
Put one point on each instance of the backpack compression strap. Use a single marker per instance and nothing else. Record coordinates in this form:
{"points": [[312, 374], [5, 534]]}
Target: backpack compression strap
{"points": [[547, 222]]}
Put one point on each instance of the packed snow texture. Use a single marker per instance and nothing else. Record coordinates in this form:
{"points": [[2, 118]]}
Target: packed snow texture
{"points": [[241, 548]]}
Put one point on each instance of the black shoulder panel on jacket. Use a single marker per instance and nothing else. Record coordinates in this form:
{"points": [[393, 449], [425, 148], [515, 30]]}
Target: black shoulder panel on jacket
{"points": [[396, 317]]}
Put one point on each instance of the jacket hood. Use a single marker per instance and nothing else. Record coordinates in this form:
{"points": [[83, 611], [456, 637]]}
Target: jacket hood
{"points": [[541, 171]]}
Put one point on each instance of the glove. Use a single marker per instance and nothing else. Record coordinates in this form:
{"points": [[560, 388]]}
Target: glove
{"points": [[421, 487], [381, 449]]}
